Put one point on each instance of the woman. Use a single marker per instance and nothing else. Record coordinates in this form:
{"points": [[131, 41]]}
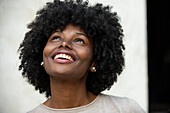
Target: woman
{"points": [[80, 50]]}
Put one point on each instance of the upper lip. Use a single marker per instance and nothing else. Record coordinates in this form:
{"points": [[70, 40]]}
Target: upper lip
{"points": [[64, 52]]}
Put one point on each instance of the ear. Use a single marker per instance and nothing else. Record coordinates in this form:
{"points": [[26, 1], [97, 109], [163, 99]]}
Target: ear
{"points": [[93, 67]]}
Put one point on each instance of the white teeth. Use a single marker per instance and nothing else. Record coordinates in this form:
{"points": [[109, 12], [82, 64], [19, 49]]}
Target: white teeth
{"points": [[63, 56]]}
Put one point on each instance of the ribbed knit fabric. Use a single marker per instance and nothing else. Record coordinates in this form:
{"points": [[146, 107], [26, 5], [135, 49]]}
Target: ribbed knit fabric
{"points": [[101, 104]]}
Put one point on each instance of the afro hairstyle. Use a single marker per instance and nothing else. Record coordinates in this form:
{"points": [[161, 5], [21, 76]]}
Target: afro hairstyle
{"points": [[97, 21]]}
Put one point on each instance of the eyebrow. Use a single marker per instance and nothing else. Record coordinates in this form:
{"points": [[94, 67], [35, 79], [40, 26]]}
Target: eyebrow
{"points": [[57, 31], [75, 33], [82, 34]]}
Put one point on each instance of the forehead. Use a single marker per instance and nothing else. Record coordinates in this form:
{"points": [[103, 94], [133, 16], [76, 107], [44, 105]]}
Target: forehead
{"points": [[71, 27], [75, 29]]}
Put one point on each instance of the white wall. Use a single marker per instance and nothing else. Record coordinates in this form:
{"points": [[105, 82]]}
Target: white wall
{"points": [[133, 81], [17, 96]]}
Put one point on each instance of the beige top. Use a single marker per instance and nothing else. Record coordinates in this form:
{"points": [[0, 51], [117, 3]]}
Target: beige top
{"points": [[102, 104]]}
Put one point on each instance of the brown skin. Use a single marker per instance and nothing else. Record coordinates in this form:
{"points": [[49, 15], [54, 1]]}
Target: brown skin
{"points": [[68, 80]]}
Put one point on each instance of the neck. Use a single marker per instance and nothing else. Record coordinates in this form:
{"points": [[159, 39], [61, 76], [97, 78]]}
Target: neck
{"points": [[68, 94]]}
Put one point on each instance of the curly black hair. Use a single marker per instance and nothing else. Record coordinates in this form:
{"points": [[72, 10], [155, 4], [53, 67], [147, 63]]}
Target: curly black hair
{"points": [[97, 21]]}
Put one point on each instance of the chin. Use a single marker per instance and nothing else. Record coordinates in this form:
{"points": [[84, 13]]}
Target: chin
{"points": [[61, 73]]}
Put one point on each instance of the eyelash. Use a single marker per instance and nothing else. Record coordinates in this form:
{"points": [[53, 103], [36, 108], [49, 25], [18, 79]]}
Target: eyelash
{"points": [[82, 41], [76, 40], [56, 38]]}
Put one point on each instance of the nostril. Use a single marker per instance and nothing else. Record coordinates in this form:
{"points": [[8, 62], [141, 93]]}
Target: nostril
{"points": [[66, 45]]}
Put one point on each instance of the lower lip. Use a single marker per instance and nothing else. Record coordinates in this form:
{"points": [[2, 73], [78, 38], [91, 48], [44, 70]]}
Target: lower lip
{"points": [[62, 61]]}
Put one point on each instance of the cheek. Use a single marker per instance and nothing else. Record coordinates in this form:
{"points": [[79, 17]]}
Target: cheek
{"points": [[86, 55], [46, 59], [86, 58], [47, 50]]}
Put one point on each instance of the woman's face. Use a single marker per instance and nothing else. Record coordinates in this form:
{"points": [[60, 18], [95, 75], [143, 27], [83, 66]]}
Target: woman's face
{"points": [[68, 53]]}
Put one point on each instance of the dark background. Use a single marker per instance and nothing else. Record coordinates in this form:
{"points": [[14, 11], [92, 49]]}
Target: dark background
{"points": [[158, 55]]}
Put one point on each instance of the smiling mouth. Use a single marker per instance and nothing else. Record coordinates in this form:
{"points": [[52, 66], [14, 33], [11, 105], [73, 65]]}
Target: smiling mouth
{"points": [[63, 57]]}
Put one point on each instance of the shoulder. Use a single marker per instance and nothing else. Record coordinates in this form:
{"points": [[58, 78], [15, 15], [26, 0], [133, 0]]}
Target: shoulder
{"points": [[38, 109], [123, 104]]}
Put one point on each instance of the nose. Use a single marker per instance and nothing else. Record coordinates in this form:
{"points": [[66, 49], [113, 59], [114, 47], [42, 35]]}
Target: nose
{"points": [[65, 44]]}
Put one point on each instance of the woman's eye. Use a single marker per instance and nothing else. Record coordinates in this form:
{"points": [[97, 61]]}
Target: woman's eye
{"points": [[80, 41], [56, 38]]}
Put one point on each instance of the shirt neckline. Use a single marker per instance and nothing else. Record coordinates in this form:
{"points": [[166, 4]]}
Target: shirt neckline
{"points": [[71, 109]]}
